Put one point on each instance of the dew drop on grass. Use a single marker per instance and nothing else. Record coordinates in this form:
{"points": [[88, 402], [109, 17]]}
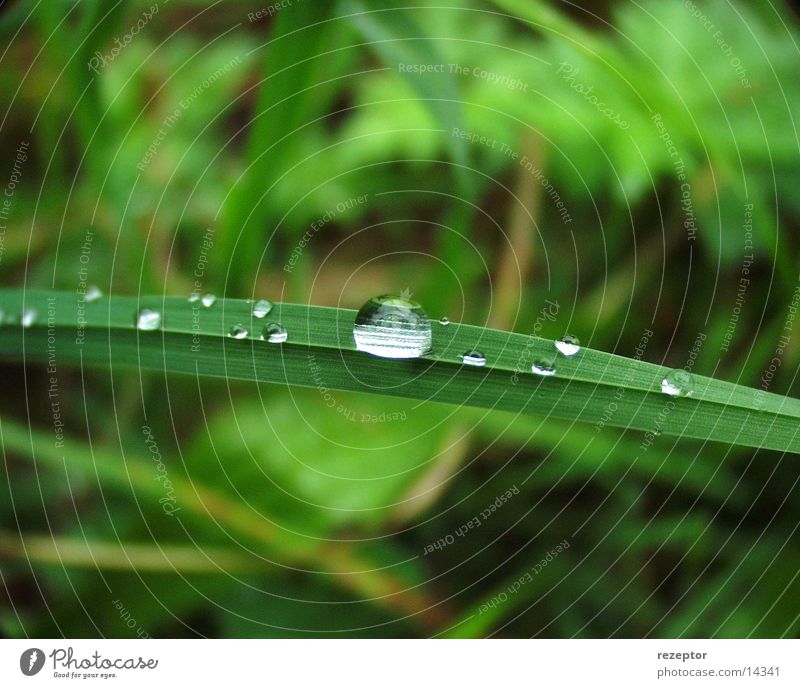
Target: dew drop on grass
{"points": [[543, 367], [262, 308], [677, 383], [208, 300], [238, 331], [194, 297], [444, 321], [29, 316], [92, 294], [147, 319], [275, 333], [392, 327], [569, 345], [473, 358]]}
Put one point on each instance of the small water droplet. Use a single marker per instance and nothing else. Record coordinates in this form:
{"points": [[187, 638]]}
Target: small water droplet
{"points": [[275, 333], [147, 319], [543, 367], [677, 383], [392, 327], [444, 321], [262, 308], [569, 345], [29, 316], [194, 297], [238, 331], [92, 294], [208, 300], [473, 358]]}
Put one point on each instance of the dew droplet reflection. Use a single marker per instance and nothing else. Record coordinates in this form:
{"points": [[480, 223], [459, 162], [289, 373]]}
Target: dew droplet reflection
{"points": [[569, 345], [262, 308], [147, 319], [473, 358], [392, 327], [275, 333], [543, 367], [677, 383], [29, 316]]}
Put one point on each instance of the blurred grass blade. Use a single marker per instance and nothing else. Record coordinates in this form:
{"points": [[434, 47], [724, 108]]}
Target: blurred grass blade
{"points": [[398, 40], [542, 15], [292, 92], [118, 556], [593, 386]]}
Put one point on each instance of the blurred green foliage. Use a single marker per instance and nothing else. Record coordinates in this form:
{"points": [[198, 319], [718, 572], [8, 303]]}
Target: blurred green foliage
{"points": [[258, 129]]}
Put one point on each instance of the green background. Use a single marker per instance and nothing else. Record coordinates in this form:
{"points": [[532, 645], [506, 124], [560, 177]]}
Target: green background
{"points": [[630, 162]]}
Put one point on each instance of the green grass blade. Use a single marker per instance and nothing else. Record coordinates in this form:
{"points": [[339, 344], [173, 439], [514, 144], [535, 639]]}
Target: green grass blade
{"points": [[75, 551], [593, 386], [399, 41], [293, 92]]}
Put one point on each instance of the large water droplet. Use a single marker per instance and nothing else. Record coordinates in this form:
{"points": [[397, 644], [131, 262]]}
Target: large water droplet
{"points": [[392, 327], [262, 308], [474, 358], [444, 321], [208, 300], [147, 319], [677, 383], [275, 333], [543, 367], [29, 316], [569, 345], [92, 294], [238, 331]]}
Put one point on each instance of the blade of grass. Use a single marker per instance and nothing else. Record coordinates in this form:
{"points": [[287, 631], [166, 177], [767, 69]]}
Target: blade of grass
{"points": [[548, 19], [398, 41], [72, 551], [592, 386], [292, 93]]}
